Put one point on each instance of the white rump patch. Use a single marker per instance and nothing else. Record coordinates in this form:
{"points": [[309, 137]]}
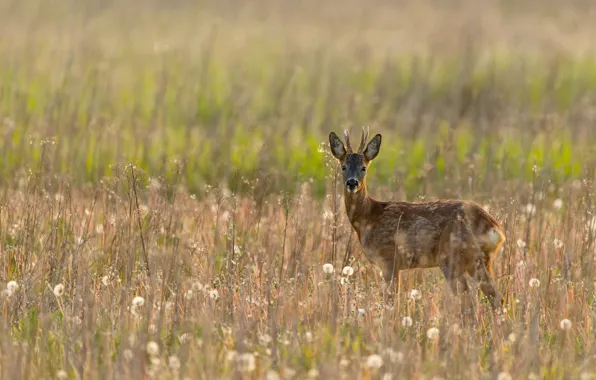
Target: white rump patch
{"points": [[493, 237]]}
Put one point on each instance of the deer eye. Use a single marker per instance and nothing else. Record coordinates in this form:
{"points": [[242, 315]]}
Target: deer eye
{"points": [[364, 168], [343, 168]]}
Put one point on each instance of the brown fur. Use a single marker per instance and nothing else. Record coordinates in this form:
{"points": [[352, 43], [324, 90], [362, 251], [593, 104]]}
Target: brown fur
{"points": [[458, 236]]}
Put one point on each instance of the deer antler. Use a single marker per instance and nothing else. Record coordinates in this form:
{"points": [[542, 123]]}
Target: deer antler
{"points": [[363, 140], [347, 138]]}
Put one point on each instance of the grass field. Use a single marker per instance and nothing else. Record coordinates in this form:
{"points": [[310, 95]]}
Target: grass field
{"points": [[168, 200]]}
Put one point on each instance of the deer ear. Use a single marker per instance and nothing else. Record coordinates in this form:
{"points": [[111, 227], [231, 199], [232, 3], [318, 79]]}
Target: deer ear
{"points": [[372, 149], [337, 146]]}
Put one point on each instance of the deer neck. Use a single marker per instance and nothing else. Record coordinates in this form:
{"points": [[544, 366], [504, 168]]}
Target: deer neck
{"points": [[358, 207]]}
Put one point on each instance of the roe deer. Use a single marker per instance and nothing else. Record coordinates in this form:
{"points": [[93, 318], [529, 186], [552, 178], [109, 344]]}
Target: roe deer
{"points": [[458, 236]]}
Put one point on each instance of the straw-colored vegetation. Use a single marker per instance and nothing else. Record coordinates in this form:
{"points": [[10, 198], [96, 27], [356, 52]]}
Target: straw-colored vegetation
{"points": [[169, 207]]}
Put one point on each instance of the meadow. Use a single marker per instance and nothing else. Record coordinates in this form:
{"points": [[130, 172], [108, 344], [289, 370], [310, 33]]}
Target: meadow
{"points": [[169, 207]]}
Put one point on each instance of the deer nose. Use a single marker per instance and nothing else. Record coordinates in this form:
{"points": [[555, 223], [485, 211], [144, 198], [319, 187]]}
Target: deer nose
{"points": [[351, 183]]}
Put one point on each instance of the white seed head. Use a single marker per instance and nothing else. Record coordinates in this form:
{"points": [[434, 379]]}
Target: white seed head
{"points": [[432, 333], [558, 204], [213, 294], [521, 244], [415, 294], [406, 322], [565, 324], [105, 280], [327, 268], [534, 283], [348, 271], [557, 243], [138, 301], [512, 337], [361, 312], [152, 348], [308, 336], [174, 363], [127, 355], [272, 375], [246, 362], [374, 361], [12, 287], [62, 374], [504, 376], [59, 290]]}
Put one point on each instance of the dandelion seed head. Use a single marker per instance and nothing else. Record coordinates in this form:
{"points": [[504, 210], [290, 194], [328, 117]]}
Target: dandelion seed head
{"points": [[504, 376], [565, 324], [213, 294], [246, 362], [374, 361], [558, 204], [62, 374], [415, 294], [406, 321], [127, 354], [361, 312], [521, 244], [152, 348], [432, 333], [12, 286], [348, 271], [328, 268], [534, 283], [138, 301], [105, 280], [174, 363], [59, 290]]}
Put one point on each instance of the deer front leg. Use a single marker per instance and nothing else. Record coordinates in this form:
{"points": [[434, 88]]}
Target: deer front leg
{"points": [[480, 273]]}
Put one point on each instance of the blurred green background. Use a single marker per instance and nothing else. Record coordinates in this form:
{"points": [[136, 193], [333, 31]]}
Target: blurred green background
{"points": [[244, 94]]}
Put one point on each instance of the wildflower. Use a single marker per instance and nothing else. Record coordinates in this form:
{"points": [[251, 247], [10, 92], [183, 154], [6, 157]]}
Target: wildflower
{"points": [[374, 361], [62, 374], [138, 301], [534, 283], [59, 290], [174, 363], [406, 322], [558, 204], [12, 287], [565, 324], [328, 268], [213, 294], [504, 376], [432, 333], [415, 295], [521, 244], [152, 348], [348, 271], [557, 243], [246, 362]]}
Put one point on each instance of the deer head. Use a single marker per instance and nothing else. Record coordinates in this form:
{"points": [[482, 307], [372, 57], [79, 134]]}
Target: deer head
{"points": [[354, 165]]}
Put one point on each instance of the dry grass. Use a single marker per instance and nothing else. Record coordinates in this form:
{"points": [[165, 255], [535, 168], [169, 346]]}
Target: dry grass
{"points": [[224, 224]]}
